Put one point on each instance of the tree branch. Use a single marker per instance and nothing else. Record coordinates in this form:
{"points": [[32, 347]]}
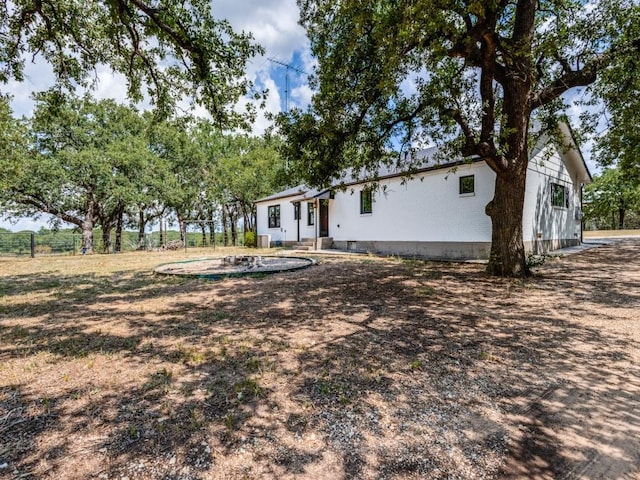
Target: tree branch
{"points": [[575, 78]]}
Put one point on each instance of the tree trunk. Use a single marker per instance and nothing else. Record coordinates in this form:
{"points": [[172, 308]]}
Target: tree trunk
{"points": [[225, 233], [106, 238], [203, 228], [87, 229], [119, 222], [233, 220], [182, 226], [142, 225], [507, 256], [234, 232], [621, 214], [212, 233]]}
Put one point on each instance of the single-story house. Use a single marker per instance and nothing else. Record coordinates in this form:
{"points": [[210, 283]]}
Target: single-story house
{"points": [[439, 212]]}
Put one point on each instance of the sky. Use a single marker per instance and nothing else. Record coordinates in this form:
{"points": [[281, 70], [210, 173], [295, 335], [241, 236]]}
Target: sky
{"points": [[274, 25]]}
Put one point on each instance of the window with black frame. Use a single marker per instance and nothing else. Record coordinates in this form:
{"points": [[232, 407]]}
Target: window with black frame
{"points": [[467, 185], [311, 214], [274, 216], [559, 195], [366, 201]]}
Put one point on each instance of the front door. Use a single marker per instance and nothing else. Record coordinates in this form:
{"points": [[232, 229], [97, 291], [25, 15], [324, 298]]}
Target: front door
{"points": [[324, 218]]}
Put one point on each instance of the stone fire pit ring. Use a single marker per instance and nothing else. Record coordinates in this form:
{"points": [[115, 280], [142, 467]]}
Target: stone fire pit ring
{"points": [[234, 266]]}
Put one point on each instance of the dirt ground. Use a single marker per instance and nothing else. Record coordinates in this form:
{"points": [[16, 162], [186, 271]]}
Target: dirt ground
{"points": [[356, 368]]}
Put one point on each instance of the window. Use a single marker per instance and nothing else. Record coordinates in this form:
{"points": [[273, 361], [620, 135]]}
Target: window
{"points": [[274, 216], [311, 214], [467, 185], [296, 210], [559, 196], [366, 201]]}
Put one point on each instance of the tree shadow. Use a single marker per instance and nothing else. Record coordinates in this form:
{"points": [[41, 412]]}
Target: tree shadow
{"points": [[352, 369]]}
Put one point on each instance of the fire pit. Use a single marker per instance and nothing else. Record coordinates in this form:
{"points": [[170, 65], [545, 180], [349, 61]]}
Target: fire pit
{"points": [[233, 265]]}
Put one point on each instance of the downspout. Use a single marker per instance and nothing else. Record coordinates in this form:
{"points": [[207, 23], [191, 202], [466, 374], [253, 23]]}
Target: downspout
{"points": [[581, 214], [316, 217], [299, 217]]}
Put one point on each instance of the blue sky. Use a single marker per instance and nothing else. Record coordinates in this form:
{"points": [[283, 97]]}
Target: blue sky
{"points": [[274, 24]]}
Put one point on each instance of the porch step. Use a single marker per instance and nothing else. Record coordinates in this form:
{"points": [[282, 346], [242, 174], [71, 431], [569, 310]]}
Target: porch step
{"points": [[310, 243]]}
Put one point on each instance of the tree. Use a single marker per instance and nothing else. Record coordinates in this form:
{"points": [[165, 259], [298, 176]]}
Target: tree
{"points": [[81, 162], [175, 48], [239, 170], [246, 169], [472, 76], [618, 87], [611, 196], [172, 141]]}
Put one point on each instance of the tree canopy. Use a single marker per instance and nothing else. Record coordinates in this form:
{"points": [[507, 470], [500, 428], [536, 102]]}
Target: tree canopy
{"points": [[97, 163], [612, 200], [176, 49], [471, 76]]}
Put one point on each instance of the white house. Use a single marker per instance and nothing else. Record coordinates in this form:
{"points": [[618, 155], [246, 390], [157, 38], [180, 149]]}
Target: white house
{"points": [[437, 213]]}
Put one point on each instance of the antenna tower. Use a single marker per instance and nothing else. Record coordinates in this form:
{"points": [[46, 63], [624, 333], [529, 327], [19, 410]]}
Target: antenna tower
{"points": [[286, 79]]}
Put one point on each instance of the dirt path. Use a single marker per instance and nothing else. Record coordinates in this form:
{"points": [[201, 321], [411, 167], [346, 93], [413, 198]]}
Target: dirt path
{"points": [[586, 424], [357, 368]]}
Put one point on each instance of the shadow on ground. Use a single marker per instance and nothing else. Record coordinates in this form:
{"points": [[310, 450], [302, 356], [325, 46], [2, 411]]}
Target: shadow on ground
{"points": [[359, 368]]}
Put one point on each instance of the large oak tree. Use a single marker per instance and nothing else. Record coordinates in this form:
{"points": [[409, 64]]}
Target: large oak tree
{"points": [[79, 160], [473, 76], [172, 49]]}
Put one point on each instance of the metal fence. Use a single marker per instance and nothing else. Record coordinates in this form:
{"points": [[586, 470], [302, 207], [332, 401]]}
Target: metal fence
{"points": [[62, 243]]}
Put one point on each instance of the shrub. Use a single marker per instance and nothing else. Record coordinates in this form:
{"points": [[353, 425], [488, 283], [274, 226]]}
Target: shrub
{"points": [[250, 239]]}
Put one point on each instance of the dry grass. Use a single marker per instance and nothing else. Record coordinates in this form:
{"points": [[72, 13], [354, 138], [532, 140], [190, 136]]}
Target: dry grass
{"points": [[610, 233], [356, 368]]}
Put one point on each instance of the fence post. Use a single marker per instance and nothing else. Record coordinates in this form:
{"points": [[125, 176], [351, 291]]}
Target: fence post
{"points": [[33, 245]]}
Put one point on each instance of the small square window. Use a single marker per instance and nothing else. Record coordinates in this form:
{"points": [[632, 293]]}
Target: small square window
{"points": [[559, 196], [274, 216], [311, 214], [467, 184], [366, 201]]}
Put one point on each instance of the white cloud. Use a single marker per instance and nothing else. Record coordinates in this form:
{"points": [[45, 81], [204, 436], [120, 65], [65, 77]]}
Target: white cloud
{"points": [[28, 224], [273, 23], [302, 96]]}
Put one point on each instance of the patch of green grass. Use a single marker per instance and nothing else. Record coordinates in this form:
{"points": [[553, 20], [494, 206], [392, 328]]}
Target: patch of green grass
{"points": [[197, 418], [425, 291], [337, 390], [258, 275], [416, 364], [219, 316], [253, 364], [191, 355], [229, 422], [160, 380], [249, 387], [488, 357]]}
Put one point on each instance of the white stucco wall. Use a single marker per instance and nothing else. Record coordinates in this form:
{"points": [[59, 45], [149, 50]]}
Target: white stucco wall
{"points": [[541, 220], [288, 230], [429, 208], [426, 208]]}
